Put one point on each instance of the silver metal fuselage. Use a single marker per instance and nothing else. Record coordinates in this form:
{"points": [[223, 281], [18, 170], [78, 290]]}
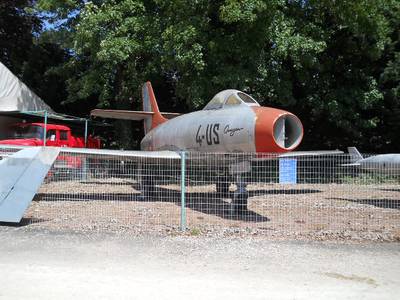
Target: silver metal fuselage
{"points": [[231, 122], [225, 130], [383, 163]]}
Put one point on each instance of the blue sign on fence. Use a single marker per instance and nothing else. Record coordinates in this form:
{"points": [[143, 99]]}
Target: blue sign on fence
{"points": [[288, 170]]}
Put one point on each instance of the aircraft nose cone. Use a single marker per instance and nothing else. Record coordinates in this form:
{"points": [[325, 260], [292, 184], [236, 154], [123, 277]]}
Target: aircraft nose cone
{"points": [[276, 130]]}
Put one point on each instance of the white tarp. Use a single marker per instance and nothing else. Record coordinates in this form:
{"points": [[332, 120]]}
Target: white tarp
{"points": [[16, 96]]}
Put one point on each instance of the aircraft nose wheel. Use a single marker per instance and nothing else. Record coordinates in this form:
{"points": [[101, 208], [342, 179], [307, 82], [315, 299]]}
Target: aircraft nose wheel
{"points": [[240, 197], [147, 184], [239, 203], [223, 188]]}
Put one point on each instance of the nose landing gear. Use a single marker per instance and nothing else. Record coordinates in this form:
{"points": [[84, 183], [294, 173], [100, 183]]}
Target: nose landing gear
{"points": [[240, 197]]}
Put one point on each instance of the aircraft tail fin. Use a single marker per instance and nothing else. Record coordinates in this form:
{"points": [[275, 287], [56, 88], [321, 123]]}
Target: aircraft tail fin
{"points": [[150, 105], [355, 156], [151, 114]]}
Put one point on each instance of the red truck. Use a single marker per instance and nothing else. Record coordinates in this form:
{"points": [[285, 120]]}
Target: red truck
{"points": [[32, 134]]}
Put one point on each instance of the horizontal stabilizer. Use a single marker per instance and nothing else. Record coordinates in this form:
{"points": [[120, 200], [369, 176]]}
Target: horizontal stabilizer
{"points": [[128, 114], [21, 175]]}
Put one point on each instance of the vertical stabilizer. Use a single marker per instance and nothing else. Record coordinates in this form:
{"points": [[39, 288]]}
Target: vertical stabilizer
{"points": [[150, 105], [355, 156]]}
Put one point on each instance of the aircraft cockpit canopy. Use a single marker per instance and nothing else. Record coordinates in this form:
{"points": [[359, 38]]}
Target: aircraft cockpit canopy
{"points": [[230, 98]]}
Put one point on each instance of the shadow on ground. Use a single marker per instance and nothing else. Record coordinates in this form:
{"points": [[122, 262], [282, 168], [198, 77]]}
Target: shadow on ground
{"points": [[211, 203], [381, 203], [23, 222], [390, 190]]}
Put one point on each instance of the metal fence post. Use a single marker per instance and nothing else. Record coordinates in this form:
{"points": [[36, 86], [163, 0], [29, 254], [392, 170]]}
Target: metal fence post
{"points": [[183, 191], [45, 128], [85, 166], [86, 133]]}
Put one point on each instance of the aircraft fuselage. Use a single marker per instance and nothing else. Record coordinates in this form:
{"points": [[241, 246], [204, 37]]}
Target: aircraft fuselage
{"points": [[383, 163], [239, 128]]}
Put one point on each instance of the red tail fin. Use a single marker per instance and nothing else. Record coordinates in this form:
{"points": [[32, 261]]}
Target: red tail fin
{"points": [[150, 105]]}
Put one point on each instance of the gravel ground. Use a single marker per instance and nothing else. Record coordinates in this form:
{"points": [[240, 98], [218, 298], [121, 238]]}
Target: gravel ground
{"points": [[289, 212], [42, 264]]}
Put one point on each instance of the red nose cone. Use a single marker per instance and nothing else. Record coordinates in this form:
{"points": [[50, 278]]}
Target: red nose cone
{"points": [[276, 130]]}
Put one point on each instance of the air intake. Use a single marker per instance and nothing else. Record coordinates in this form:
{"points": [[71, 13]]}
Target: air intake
{"points": [[288, 131]]}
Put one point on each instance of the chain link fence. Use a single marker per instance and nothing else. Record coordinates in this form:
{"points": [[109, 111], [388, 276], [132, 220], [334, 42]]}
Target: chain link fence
{"points": [[206, 193]]}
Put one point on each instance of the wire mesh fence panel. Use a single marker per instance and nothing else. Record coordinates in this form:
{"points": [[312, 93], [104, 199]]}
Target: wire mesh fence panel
{"points": [[104, 192], [304, 195], [317, 196]]}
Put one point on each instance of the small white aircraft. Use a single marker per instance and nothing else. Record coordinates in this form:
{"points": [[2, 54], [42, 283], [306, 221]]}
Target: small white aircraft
{"points": [[383, 163]]}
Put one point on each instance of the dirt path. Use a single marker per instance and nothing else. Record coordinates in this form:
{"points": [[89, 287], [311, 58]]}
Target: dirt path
{"points": [[43, 265]]}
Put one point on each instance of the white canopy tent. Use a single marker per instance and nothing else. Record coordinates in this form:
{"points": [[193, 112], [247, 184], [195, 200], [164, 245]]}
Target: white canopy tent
{"points": [[18, 103], [16, 96]]}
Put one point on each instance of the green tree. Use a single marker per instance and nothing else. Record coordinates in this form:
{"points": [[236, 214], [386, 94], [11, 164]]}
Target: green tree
{"points": [[338, 92], [331, 62], [386, 136], [17, 30], [31, 54]]}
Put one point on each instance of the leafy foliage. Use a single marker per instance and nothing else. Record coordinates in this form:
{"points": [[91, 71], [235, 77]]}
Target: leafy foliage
{"points": [[334, 63], [17, 29], [29, 53]]}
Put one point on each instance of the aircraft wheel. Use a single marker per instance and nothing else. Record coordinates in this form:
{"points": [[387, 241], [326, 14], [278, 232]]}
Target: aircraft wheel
{"points": [[147, 184], [239, 202], [222, 188]]}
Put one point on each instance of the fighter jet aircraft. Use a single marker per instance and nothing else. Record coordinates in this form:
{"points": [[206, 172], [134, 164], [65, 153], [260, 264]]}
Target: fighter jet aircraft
{"points": [[384, 163], [231, 122]]}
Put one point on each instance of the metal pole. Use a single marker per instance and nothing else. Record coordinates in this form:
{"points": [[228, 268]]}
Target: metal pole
{"points": [[86, 132], [84, 170], [45, 128], [183, 191]]}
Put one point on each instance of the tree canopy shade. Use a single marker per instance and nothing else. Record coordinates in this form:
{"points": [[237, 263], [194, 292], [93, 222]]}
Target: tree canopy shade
{"points": [[333, 63], [17, 28], [29, 52]]}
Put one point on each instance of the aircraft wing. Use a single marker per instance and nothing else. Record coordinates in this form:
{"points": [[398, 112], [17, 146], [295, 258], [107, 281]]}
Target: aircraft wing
{"points": [[175, 155], [121, 154], [295, 154], [21, 175], [128, 114], [109, 154], [311, 153]]}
